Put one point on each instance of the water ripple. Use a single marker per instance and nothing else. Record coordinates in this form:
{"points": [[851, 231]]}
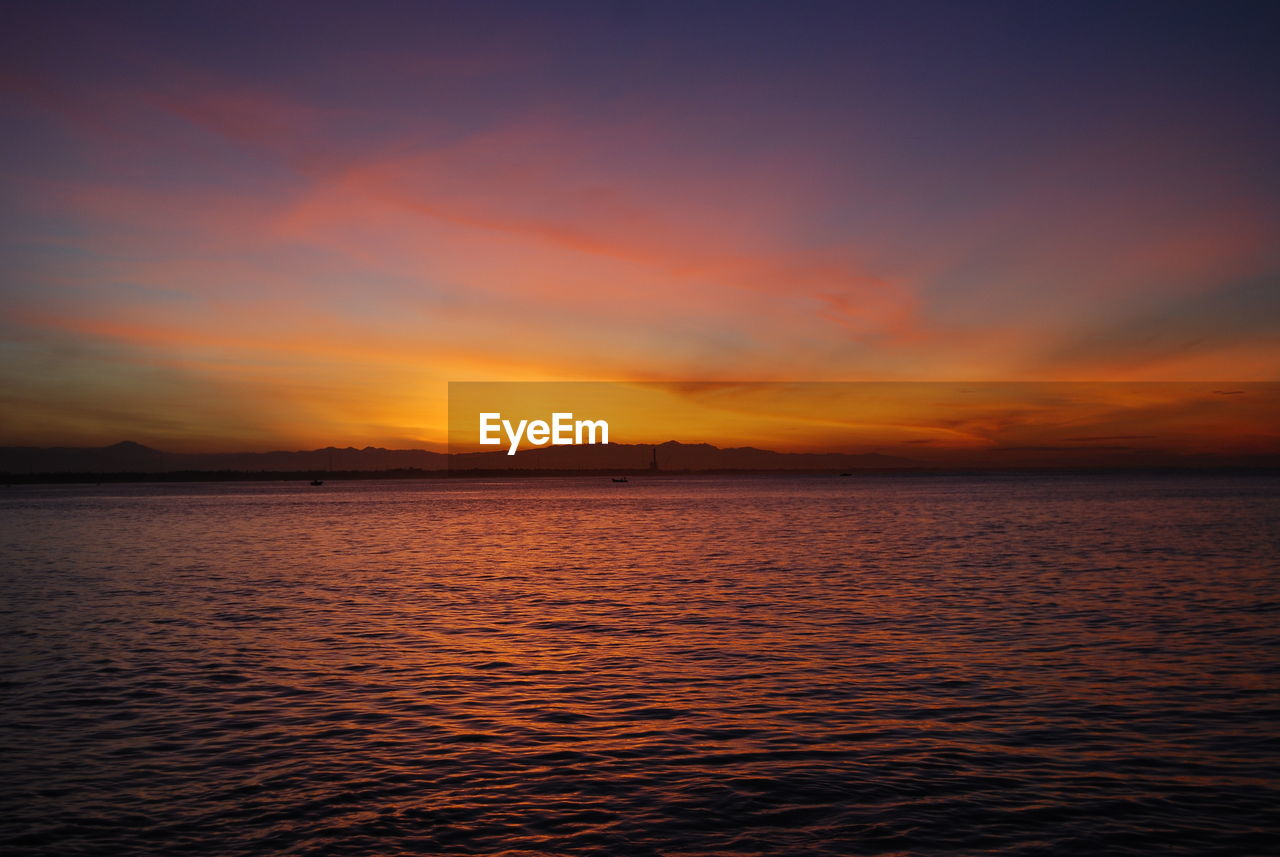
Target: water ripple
{"points": [[932, 665]]}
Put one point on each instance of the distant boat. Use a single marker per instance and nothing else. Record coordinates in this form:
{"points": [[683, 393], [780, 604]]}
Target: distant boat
{"points": [[846, 474], [316, 483], [621, 479]]}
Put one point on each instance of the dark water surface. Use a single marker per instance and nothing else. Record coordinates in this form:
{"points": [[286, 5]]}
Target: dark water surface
{"points": [[727, 666]]}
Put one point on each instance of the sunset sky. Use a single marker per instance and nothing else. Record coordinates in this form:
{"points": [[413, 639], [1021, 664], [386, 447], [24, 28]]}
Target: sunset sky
{"points": [[273, 225]]}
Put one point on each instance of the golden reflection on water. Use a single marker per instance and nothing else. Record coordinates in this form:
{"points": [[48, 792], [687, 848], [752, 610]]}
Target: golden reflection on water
{"points": [[713, 666]]}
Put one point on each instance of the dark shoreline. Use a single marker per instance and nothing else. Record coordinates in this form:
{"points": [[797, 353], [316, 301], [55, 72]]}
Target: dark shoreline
{"points": [[130, 477]]}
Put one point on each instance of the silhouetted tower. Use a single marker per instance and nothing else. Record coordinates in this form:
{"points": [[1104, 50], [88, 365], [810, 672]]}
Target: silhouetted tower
{"points": [[653, 463]]}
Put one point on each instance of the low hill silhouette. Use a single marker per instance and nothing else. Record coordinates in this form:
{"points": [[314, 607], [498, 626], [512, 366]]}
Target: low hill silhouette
{"points": [[130, 457], [134, 457], [130, 461], [671, 456]]}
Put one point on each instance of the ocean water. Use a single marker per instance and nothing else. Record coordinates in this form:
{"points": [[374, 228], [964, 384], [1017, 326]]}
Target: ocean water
{"points": [[699, 666]]}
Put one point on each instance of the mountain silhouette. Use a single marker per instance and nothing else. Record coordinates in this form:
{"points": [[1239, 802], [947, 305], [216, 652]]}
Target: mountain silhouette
{"points": [[131, 457], [137, 460], [671, 456]]}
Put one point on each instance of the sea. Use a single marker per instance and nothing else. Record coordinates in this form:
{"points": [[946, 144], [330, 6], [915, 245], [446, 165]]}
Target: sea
{"points": [[704, 665]]}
